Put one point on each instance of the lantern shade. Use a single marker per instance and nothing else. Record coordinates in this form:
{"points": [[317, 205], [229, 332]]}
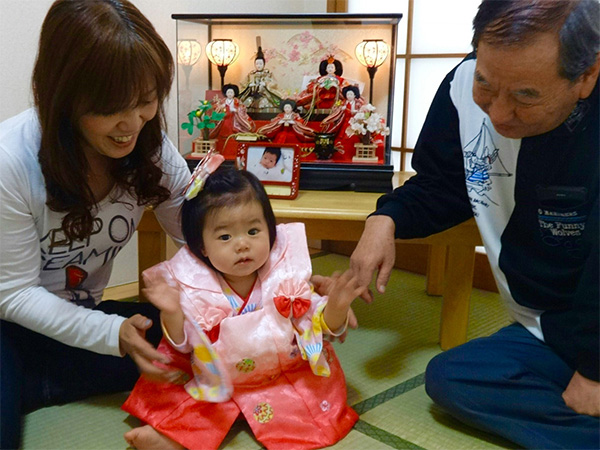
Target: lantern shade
{"points": [[222, 52], [188, 52], [372, 52]]}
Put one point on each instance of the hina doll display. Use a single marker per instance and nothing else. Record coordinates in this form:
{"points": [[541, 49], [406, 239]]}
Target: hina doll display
{"points": [[339, 120], [259, 91], [236, 118], [287, 127], [323, 92]]}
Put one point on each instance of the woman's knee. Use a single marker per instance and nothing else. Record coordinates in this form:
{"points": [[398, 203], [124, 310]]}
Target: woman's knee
{"points": [[10, 396]]}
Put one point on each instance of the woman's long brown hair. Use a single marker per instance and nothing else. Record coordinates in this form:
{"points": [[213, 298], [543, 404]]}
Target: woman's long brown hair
{"points": [[98, 57]]}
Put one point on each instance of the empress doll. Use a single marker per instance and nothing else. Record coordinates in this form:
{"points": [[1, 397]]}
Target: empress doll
{"points": [[326, 90]]}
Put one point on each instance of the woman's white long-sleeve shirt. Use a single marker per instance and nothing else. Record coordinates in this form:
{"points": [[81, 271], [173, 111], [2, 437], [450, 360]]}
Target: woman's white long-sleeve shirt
{"points": [[47, 284]]}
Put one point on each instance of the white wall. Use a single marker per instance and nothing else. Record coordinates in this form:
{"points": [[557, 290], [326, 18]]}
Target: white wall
{"points": [[21, 20]]}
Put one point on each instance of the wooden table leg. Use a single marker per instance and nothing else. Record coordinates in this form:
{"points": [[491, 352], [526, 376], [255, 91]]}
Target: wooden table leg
{"points": [[436, 267], [458, 284], [152, 245]]}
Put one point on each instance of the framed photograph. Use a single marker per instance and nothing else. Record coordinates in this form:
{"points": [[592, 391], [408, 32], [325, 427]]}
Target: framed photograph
{"points": [[298, 79], [277, 166]]}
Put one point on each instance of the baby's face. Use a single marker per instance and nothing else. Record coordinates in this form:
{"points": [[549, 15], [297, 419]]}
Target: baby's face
{"points": [[236, 241], [268, 160]]}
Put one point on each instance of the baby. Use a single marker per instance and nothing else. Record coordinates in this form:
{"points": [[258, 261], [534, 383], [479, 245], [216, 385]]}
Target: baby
{"points": [[241, 319]]}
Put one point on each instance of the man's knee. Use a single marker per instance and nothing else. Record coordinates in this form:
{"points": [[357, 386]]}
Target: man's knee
{"points": [[438, 384]]}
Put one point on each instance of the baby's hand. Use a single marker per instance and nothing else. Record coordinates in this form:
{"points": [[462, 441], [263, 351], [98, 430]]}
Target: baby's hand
{"points": [[342, 290], [162, 292]]}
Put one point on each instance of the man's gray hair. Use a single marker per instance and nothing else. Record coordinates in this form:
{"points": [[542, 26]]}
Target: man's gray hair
{"points": [[516, 22], [580, 39]]}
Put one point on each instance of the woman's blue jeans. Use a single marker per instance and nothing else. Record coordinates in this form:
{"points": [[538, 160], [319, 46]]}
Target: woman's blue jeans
{"points": [[37, 371]]}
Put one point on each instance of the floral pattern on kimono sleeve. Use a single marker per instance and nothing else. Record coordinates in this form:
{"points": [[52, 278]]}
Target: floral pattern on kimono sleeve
{"points": [[309, 336], [211, 382]]}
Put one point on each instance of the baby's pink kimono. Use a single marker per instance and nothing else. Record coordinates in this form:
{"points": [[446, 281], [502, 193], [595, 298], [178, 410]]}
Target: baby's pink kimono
{"points": [[263, 357]]}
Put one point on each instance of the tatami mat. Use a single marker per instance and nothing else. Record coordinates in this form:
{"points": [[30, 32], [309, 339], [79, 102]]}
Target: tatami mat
{"points": [[96, 424], [384, 361]]}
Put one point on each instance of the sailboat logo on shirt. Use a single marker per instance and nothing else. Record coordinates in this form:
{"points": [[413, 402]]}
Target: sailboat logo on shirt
{"points": [[479, 162]]}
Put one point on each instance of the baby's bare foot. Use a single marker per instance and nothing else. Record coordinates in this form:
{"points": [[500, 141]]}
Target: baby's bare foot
{"points": [[147, 438]]}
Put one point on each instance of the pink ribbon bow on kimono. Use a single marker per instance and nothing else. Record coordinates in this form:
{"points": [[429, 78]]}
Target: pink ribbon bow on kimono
{"points": [[292, 297]]}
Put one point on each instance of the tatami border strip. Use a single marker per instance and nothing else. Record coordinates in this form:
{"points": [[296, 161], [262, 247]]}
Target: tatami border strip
{"points": [[389, 394], [384, 436], [372, 431]]}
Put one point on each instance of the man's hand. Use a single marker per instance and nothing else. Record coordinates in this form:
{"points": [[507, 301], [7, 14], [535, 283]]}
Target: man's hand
{"points": [[375, 251], [582, 395], [132, 342]]}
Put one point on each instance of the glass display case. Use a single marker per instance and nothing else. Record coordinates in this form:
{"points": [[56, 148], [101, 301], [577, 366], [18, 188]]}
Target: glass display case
{"points": [[323, 82]]}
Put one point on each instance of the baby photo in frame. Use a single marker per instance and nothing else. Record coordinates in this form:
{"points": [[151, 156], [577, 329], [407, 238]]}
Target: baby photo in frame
{"points": [[277, 166]]}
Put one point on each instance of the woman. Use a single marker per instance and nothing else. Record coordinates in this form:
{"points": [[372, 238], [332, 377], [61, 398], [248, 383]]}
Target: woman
{"points": [[77, 171]]}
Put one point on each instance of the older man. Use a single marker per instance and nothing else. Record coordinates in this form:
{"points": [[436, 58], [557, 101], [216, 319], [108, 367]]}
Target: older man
{"points": [[512, 139]]}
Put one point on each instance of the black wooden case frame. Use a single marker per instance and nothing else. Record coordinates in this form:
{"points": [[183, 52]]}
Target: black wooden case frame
{"points": [[293, 46]]}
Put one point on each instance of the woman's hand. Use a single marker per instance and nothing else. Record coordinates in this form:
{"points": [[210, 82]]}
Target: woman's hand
{"points": [[149, 360]]}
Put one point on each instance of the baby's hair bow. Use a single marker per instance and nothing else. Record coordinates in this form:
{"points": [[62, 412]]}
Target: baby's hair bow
{"points": [[205, 167]]}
